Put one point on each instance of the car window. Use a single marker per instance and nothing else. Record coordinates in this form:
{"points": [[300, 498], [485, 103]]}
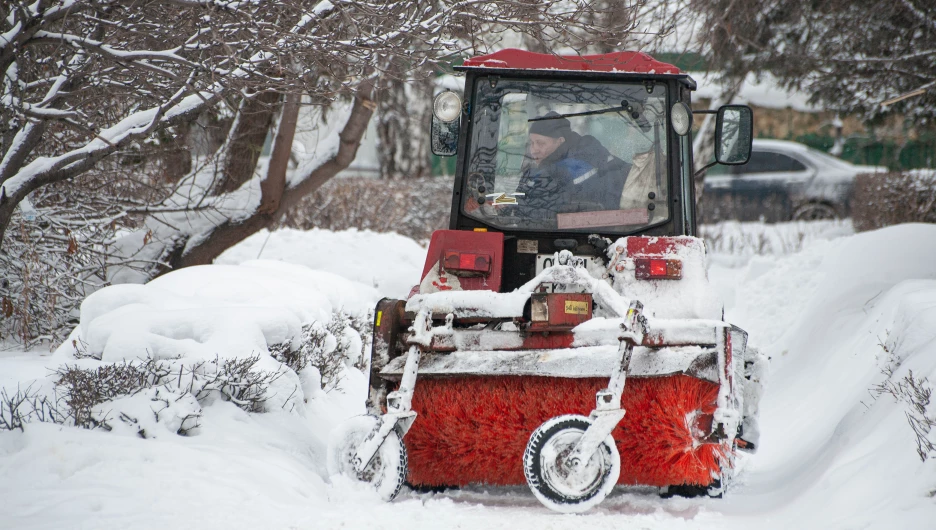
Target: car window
{"points": [[765, 162], [719, 170], [830, 160]]}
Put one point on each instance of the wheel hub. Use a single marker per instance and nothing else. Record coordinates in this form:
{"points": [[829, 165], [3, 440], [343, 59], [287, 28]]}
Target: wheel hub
{"points": [[562, 474]]}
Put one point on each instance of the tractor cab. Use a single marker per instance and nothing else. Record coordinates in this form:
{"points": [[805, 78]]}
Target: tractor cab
{"points": [[571, 153]]}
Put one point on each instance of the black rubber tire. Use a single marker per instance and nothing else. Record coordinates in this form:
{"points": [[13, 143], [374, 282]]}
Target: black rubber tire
{"points": [[387, 471], [815, 211], [563, 430], [713, 490]]}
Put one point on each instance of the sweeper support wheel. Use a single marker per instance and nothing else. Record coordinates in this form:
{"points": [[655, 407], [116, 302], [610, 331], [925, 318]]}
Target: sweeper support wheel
{"points": [[556, 483], [386, 471]]}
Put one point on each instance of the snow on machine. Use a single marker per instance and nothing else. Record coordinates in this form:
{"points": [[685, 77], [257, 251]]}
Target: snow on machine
{"points": [[563, 333]]}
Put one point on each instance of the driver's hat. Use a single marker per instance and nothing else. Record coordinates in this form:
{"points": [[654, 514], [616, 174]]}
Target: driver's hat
{"points": [[557, 127]]}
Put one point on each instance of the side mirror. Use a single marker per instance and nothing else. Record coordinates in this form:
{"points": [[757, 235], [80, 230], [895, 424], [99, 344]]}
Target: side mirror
{"points": [[446, 121], [734, 133]]}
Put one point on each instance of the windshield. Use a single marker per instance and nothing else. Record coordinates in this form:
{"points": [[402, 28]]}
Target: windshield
{"points": [[536, 163]]}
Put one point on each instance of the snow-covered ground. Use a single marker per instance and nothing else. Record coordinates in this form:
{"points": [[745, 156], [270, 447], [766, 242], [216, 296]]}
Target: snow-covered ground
{"points": [[390, 263], [834, 311]]}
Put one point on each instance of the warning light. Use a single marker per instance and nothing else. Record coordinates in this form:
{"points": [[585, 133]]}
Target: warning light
{"points": [[657, 269], [466, 263]]}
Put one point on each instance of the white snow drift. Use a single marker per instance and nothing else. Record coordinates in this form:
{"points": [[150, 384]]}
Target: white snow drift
{"points": [[838, 319]]}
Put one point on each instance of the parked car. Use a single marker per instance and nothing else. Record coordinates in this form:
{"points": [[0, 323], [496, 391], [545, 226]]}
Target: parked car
{"points": [[783, 181]]}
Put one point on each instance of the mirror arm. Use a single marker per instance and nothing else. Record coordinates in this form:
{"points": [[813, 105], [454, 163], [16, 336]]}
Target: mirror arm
{"points": [[702, 170]]}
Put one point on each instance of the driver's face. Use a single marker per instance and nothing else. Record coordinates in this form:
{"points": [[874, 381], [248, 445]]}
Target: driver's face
{"points": [[543, 146]]}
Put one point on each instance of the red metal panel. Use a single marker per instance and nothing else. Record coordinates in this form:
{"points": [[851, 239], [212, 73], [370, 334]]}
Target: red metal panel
{"points": [[657, 246], [547, 341], [629, 62], [489, 243], [566, 310]]}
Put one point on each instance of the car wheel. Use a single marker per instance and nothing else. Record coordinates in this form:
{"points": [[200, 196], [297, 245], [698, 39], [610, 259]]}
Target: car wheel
{"points": [[814, 211]]}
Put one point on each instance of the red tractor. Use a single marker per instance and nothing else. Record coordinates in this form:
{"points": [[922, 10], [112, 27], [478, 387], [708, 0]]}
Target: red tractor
{"points": [[563, 333]]}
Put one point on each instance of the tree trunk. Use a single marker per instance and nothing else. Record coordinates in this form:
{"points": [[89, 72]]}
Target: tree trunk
{"points": [[175, 161], [273, 186], [245, 141], [403, 128], [229, 233]]}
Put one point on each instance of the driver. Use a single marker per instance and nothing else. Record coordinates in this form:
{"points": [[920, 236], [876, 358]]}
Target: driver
{"points": [[565, 167]]}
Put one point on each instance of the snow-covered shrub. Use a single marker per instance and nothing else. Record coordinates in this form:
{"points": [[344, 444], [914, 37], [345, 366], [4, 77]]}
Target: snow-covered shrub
{"points": [[237, 380], [329, 348], [25, 406], [762, 239], [312, 350], [364, 327], [58, 248], [265, 336], [414, 207], [916, 393], [887, 199], [143, 397], [149, 412], [83, 389], [47, 267]]}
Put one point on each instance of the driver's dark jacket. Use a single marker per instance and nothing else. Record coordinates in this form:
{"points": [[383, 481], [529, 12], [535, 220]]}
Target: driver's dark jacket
{"points": [[580, 171]]}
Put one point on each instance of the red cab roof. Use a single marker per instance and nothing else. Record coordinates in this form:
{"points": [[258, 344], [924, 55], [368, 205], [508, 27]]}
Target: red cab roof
{"points": [[636, 62]]}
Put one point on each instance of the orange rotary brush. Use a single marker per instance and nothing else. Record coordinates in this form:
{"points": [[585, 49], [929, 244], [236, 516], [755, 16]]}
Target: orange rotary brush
{"points": [[473, 430]]}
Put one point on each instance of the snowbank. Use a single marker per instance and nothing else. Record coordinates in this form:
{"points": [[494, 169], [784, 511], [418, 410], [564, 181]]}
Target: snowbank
{"points": [[199, 336], [213, 310], [839, 316], [390, 262], [838, 320]]}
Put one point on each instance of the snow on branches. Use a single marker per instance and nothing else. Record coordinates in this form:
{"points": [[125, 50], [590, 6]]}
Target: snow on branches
{"points": [[92, 87], [851, 56], [81, 79]]}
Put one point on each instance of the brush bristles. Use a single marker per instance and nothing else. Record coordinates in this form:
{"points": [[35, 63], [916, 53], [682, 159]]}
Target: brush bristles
{"points": [[473, 430]]}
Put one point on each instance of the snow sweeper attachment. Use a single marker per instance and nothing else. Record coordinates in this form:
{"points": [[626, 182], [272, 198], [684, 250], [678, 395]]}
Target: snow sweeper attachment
{"points": [[563, 334]]}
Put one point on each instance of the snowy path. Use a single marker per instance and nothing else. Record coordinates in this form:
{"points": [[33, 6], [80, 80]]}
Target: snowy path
{"points": [[831, 456]]}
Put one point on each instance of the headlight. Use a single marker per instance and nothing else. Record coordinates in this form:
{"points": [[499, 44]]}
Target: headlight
{"points": [[681, 117], [539, 308], [447, 106]]}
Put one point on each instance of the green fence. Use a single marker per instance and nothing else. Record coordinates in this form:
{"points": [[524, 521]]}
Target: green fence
{"points": [[913, 154]]}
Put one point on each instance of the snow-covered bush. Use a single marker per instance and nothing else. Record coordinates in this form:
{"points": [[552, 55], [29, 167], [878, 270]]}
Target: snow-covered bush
{"points": [[27, 405], [328, 348], [146, 359], [137, 395], [892, 198], [54, 255], [83, 389], [743, 240], [415, 207], [916, 393]]}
